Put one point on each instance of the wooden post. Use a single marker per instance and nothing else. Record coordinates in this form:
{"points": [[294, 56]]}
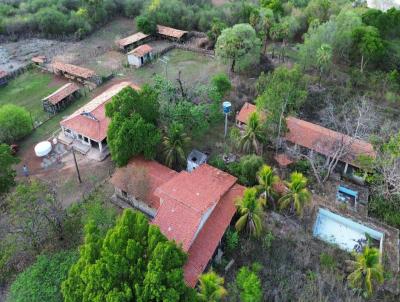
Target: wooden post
{"points": [[76, 166]]}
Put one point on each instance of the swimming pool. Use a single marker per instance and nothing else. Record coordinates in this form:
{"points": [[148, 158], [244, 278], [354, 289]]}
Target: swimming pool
{"points": [[344, 232]]}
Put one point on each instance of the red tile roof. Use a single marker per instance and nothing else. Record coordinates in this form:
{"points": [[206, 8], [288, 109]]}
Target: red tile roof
{"points": [[62, 93], [39, 59], [245, 112], [141, 51], [156, 173], [90, 120], [74, 70], [210, 235], [324, 140], [170, 32], [187, 198], [131, 39], [3, 74]]}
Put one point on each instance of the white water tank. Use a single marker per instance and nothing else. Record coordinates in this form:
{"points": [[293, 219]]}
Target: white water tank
{"points": [[43, 148]]}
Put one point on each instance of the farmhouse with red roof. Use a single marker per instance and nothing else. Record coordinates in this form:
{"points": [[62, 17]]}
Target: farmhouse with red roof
{"points": [[194, 209], [314, 137], [87, 127]]}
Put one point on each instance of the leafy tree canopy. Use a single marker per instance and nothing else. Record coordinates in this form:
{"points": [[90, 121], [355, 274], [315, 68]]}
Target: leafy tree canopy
{"points": [[249, 285], [134, 262], [15, 123], [7, 172], [239, 45]]}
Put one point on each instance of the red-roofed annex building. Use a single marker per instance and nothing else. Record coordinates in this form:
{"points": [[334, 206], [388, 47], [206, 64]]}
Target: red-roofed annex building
{"points": [[87, 127], [194, 209], [60, 99], [316, 138]]}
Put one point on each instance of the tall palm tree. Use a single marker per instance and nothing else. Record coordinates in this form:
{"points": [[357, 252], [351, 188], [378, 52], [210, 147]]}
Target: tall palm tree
{"points": [[175, 145], [297, 195], [211, 288], [367, 270], [266, 180], [253, 136], [250, 210]]}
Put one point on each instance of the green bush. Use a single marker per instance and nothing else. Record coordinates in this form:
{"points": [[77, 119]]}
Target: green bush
{"points": [[15, 123], [302, 166], [232, 240], [249, 285], [42, 281], [267, 240], [386, 210], [249, 166]]}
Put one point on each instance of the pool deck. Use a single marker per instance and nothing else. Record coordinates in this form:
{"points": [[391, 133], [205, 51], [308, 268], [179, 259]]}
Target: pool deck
{"points": [[391, 243]]}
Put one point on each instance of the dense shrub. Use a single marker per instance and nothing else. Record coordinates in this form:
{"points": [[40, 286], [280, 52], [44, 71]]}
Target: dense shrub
{"points": [[249, 285], [42, 281], [15, 123], [387, 210]]}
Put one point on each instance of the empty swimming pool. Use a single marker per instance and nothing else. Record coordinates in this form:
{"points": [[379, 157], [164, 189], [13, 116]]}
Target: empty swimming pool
{"points": [[342, 231]]}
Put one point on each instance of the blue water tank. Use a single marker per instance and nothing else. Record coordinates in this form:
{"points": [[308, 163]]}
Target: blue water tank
{"points": [[227, 107]]}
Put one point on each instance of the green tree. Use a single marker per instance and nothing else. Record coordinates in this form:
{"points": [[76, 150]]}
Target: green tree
{"points": [[221, 83], [368, 43], [238, 45], [15, 123], [7, 172], [217, 26], [249, 285], [254, 135], [324, 59], [297, 195], [266, 183], [146, 24], [175, 146], [367, 271], [275, 5], [250, 209], [132, 130], [285, 92], [249, 165], [211, 288], [134, 262], [42, 280], [50, 21]]}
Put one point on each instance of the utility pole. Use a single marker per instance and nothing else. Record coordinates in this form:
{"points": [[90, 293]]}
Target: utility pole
{"points": [[76, 166]]}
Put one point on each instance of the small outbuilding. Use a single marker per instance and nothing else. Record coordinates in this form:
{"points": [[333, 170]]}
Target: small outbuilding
{"points": [[61, 98], [3, 78], [77, 73], [195, 159], [140, 55], [39, 60], [132, 41], [171, 33]]}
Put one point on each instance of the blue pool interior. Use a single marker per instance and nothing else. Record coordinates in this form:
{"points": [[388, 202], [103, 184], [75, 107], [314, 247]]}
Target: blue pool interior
{"points": [[344, 232]]}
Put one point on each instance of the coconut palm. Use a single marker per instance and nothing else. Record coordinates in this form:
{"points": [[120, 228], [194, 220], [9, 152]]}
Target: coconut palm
{"points": [[367, 270], [324, 59], [297, 195], [267, 180], [253, 136], [250, 210], [211, 288], [175, 144]]}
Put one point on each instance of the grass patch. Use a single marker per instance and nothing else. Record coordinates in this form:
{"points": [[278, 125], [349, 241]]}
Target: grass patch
{"points": [[194, 67], [28, 90]]}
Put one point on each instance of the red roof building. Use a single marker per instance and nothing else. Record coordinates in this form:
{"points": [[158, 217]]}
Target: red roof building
{"points": [[57, 101], [194, 209], [89, 124], [134, 39], [325, 141], [244, 114], [171, 33]]}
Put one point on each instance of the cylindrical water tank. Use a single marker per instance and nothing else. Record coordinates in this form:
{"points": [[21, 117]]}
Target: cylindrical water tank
{"points": [[43, 148], [227, 106]]}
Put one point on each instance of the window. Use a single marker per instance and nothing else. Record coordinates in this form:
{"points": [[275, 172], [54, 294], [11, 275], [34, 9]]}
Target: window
{"points": [[124, 194]]}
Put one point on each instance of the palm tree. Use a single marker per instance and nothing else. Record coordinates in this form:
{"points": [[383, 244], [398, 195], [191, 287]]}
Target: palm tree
{"points": [[175, 144], [253, 136], [211, 287], [267, 180], [297, 195], [367, 270], [324, 59], [250, 210]]}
